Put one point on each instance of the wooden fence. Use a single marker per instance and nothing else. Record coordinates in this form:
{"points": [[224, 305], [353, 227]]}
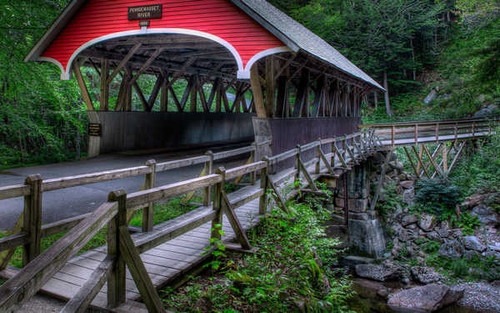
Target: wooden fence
{"points": [[29, 230], [420, 132], [343, 152]]}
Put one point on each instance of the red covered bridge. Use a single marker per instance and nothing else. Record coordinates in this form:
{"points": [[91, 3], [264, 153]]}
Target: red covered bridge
{"points": [[225, 71]]}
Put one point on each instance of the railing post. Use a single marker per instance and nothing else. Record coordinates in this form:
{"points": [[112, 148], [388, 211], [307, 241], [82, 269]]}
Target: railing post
{"points": [[253, 177], [117, 278], [473, 128], [297, 166], [217, 204], [437, 132], [207, 194], [264, 176], [456, 131], [318, 155], [148, 212], [393, 134], [333, 148], [32, 224], [416, 133]]}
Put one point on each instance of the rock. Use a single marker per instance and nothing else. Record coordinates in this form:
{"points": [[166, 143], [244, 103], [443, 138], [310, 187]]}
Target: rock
{"points": [[487, 111], [486, 215], [427, 222], [409, 219], [431, 96], [378, 272], [480, 297], [472, 243], [470, 255], [494, 248], [351, 261], [451, 249], [407, 184], [396, 165], [434, 236], [427, 298], [425, 275], [367, 236]]}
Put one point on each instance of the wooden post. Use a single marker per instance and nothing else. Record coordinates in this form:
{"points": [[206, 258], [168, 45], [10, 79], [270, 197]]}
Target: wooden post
{"points": [[117, 278], [208, 170], [318, 155], [148, 212], [270, 86], [437, 132], [445, 159], [32, 224], [253, 177], [297, 166], [217, 204], [393, 134], [263, 185], [416, 133], [258, 97], [104, 84], [333, 148]]}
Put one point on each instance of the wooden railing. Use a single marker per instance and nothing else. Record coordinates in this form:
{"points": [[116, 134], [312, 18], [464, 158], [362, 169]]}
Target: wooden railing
{"points": [[420, 132], [116, 212], [29, 230]]}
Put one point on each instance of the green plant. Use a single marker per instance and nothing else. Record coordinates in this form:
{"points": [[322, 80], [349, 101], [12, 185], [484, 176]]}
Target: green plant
{"points": [[216, 249], [289, 271], [438, 197], [468, 223]]}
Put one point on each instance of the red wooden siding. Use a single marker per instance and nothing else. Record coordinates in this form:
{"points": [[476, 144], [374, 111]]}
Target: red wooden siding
{"points": [[217, 17]]}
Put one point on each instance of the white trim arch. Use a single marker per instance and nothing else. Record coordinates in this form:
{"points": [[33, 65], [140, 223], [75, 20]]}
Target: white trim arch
{"points": [[66, 73]]}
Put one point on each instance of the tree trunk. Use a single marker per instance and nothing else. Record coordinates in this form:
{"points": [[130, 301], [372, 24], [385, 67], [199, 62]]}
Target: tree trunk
{"points": [[386, 94], [375, 99]]}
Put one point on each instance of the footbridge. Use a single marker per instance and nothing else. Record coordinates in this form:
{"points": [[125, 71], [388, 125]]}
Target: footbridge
{"points": [[163, 254]]}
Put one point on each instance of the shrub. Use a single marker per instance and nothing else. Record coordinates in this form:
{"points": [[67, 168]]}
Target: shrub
{"points": [[438, 197]]}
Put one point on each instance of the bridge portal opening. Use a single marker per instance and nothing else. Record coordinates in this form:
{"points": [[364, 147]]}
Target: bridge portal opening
{"points": [[200, 73]]}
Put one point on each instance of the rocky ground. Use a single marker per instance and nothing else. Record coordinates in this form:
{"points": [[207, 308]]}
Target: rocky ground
{"points": [[410, 278]]}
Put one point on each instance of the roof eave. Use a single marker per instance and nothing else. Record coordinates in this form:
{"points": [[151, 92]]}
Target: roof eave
{"points": [[54, 30], [268, 26]]}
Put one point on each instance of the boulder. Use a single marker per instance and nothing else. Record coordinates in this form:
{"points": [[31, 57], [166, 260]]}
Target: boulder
{"points": [[378, 272], [351, 261], [409, 196], [425, 275], [427, 298], [451, 249], [434, 236], [409, 219], [472, 243], [427, 222], [396, 165], [486, 215], [407, 184]]}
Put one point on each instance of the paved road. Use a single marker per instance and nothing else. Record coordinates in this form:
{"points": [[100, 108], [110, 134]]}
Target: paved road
{"points": [[61, 204]]}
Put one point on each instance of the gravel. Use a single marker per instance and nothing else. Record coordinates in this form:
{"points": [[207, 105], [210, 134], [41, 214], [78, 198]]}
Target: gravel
{"points": [[481, 296]]}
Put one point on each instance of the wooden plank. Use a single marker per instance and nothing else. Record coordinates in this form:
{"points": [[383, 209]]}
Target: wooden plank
{"points": [[104, 97], [308, 177], [235, 223], [78, 180], [245, 169], [14, 191], [83, 88], [62, 225], [24, 285], [159, 237], [171, 190], [123, 62], [139, 273], [87, 293], [32, 224], [5, 256], [232, 153], [161, 167]]}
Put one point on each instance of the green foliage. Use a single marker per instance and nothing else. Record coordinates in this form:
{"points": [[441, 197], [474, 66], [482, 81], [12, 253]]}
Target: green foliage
{"points": [[42, 119], [437, 197], [468, 223], [473, 269], [166, 211], [287, 272], [479, 170], [389, 200]]}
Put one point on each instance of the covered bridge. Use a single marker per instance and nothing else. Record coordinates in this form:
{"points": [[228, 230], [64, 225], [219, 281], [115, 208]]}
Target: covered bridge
{"points": [[221, 71]]}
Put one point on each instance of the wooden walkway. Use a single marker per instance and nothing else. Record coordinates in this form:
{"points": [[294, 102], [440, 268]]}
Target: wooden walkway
{"points": [[166, 263], [431, 139]]}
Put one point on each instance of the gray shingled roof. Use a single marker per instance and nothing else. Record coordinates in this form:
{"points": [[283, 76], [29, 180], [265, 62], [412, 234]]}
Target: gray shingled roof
{"points": [[304, 38]]}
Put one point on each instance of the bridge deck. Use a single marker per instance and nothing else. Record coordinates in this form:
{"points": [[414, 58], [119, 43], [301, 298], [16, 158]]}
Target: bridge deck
{"points": [[430, 139]]}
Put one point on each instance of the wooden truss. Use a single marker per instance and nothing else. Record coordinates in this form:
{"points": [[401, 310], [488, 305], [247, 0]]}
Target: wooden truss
{"points": [[440, 162]]}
